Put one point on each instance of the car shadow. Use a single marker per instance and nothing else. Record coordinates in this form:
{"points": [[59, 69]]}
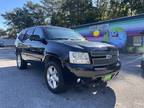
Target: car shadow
{"points": [[29, 88], [99, 96]]}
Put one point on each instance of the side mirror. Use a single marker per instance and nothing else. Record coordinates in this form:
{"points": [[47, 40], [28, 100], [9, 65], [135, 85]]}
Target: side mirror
{"points": [[35, 38]]}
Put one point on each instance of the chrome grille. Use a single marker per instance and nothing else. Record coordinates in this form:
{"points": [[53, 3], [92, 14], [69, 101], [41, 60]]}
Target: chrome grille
{"points": [[101, 58], [102, 53]]}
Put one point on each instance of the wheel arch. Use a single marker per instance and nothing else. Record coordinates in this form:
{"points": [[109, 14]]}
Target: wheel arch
{"points": [[68, 76], [53, 57]]}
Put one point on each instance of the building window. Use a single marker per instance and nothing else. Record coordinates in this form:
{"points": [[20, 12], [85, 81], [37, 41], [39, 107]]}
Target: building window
{"points": [[137, 41]]}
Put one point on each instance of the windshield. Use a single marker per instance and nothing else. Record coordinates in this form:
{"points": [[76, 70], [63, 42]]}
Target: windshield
{"points": [[63, 34]]}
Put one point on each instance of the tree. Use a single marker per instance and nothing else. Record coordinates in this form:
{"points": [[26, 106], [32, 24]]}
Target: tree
{"points": [[118, 9], [20, 18], [51, 6], [102, 7], [69, 13], [2, 32], [136, 6], [75, 12]]}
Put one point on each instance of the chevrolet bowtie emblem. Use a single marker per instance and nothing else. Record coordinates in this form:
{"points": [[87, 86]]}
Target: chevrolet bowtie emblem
{"points": [[108, 56]]}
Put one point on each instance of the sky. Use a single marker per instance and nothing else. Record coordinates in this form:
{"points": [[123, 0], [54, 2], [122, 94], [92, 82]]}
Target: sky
{"points": [[9, 5]]}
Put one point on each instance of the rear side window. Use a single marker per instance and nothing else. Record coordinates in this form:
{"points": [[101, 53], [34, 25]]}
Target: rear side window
{"points": [[22, 35]]}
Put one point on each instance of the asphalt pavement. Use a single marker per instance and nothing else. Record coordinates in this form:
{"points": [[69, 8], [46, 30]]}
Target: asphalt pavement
{"points": [[27, 88]]}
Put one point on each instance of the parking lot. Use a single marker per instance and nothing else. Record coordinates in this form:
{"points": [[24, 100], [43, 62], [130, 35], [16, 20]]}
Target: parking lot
{"points": [[27, 88]]}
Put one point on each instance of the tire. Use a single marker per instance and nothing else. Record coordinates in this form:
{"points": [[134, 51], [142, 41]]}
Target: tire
{"points": [[21, 64], [54, 77]]}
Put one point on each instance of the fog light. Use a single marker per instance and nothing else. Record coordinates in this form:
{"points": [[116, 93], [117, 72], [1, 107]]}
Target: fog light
{"points": [[78, 80], [118, 64]]}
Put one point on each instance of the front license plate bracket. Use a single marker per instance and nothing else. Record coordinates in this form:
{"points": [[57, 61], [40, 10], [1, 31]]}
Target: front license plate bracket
{"points": [[107, 77]]}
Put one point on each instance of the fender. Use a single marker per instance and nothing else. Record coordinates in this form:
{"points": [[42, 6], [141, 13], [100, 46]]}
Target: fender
{"points": [[56, 50], [49, 55]]}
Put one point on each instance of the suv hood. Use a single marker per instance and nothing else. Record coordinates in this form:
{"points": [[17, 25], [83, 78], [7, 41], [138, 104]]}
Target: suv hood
{"points": [[87, 45]]}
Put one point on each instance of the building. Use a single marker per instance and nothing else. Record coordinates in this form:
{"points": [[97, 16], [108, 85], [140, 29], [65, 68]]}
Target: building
{"points": [[126, 33]]}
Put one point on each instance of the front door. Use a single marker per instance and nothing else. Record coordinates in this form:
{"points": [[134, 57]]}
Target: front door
{"points": [[36, 51]]}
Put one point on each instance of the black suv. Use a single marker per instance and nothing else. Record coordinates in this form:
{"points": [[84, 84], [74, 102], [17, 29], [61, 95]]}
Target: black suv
{"points": [[66, 56]]}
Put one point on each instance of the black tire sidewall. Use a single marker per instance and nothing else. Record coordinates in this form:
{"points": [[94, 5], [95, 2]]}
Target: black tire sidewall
{"points": [[23, 63], [61, 85]]}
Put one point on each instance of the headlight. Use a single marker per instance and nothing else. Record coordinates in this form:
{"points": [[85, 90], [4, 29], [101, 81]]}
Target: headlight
{"points": [[79, 57]]}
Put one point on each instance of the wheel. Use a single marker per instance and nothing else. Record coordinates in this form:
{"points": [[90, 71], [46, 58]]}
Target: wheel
{"points": [[54, 77], [21, 64]]}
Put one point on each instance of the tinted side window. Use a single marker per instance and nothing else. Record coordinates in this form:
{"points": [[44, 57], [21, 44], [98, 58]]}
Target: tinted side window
{"points": [[29, 33], [39, 31], [22, 35]]}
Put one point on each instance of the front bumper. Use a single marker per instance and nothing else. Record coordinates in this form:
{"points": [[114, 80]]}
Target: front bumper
{"points": [[91, 71]]}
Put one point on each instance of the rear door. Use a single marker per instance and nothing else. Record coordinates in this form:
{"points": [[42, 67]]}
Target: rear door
{"points": [[20, 43], [26, 45]]}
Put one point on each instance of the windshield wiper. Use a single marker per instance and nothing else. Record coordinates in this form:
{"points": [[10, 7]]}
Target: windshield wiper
{"points": [[59, 38], [74, 39], [64, 39]]}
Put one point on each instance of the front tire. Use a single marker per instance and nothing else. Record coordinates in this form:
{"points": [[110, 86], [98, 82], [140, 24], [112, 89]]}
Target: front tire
{"points": [[54, 77], [21, 64]]}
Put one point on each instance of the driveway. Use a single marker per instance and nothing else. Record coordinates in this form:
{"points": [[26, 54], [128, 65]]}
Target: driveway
{"points": [[27, 88]]}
